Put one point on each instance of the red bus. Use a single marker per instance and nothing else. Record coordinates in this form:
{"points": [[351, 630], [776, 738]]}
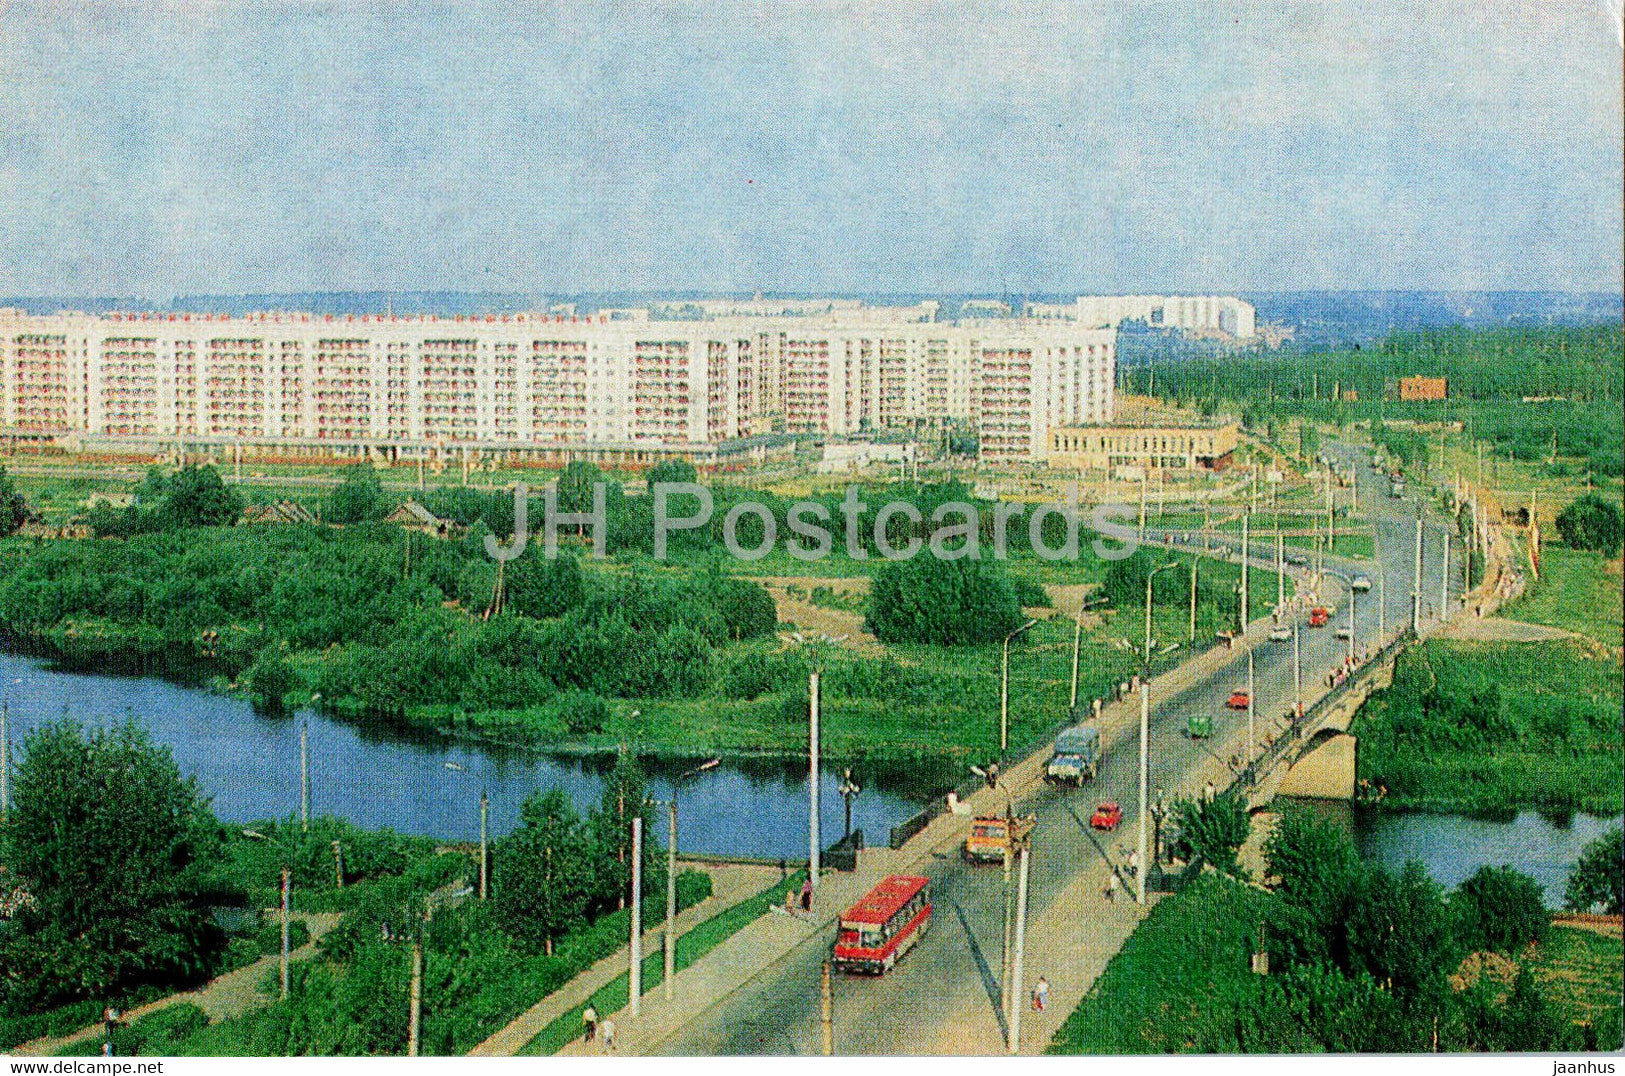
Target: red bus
{"points": [[884, 925]]}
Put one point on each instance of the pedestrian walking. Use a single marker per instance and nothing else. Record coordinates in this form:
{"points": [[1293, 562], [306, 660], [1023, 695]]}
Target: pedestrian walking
{"points": [[1111, 887], [806, 895], [589, 1021], [1040, 994], [608, 1029], [1208, 793], [1133, 862]]}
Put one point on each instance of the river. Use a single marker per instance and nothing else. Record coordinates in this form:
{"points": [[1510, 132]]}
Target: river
{"points": [[247, 763]]}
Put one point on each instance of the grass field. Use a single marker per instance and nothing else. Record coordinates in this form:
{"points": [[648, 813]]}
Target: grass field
{"points": [[1180, 984], [1577, 591], [1582, 972]]}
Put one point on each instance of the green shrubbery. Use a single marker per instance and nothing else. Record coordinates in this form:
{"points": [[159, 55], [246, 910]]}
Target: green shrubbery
{"points": [[1469, 726], [1360, 959]]}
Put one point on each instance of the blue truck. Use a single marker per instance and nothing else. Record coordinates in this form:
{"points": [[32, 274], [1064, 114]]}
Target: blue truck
{"points": [[1077, 756]]}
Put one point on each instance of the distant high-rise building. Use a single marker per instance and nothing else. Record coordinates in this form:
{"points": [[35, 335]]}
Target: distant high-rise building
{"points": [[621, 380], [1190, 313]]}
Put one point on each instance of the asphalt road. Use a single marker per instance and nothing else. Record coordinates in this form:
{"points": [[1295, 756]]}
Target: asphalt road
{"points": [[943, 996]]}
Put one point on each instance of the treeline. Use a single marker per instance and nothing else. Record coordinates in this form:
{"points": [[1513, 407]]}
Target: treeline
{"points": [[1489, 373]]}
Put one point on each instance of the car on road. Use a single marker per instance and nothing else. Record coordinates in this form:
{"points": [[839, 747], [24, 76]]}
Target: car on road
{"points": [[1281, 634], [992, 837], [1319, 616], [1238, 700], [1198, 726], [1108, 816], [1297, 560], [1360, 583], [1343, 632]]}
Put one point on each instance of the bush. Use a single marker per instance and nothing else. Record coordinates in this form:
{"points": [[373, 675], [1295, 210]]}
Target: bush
{"points": [[1592, 523], [1499, 909], [946, 602], [1598, 878]]}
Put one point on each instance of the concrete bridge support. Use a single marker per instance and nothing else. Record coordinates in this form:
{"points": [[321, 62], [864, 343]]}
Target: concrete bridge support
{"points": [[1325, 771]]}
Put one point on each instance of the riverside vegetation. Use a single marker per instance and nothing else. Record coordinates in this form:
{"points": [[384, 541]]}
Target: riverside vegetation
{"points": [[110, 886], [578, 654], [1360, 959]]}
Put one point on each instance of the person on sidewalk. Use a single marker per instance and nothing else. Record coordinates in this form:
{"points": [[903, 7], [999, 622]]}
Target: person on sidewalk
{"points": [[589, 1021], [1040, 994], [608, 1028], [1133, 862], [806, 895]]}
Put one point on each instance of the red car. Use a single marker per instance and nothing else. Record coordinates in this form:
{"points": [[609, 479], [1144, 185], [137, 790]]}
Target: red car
{"points": [[1107, 816], [1238, 700]]}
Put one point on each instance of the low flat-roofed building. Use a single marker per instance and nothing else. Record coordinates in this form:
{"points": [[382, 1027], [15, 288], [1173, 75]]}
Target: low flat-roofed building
{"points": [[1422, 388], [1193, 447]]}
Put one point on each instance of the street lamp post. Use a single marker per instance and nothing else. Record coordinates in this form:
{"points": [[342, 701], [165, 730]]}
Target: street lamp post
{"points": [[1148, 577], [1297, 680], [669, 942], [1145, 776], [849, 791], [1004, 690], [1077, 642]]}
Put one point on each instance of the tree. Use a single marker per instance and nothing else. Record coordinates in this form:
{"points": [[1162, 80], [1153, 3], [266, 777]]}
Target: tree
{"points": [[1213, 830], [360, 497], [626, 796], [13, 509], [1592, 523], [670, 471], [107, 838], [1316, 867], [196, 497], [1398, 931], [1598, 878], [927, 599], [1500, 909], [543, 872], [270, 678]]}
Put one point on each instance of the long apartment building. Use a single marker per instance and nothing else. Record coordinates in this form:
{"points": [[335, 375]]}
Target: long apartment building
{"points": [[616, 379]]}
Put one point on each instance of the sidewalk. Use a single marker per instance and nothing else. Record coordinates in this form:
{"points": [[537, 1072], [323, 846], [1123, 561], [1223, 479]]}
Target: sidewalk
{"points": [[231, 994], [730, 884]]}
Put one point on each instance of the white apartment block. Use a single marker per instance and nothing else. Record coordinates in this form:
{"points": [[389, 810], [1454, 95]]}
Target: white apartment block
{"points": [[1190, 313], [616, 379]]}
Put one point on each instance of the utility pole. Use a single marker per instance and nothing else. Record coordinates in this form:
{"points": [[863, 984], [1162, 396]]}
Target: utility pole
{"points": [[1382, 588], [813, 827], [304, 777], [1280, 565], [635, 972], [287, 879], [1297, 680], [5, 761], [1194, 559], [1251, 702], [1021, 952], [1145, 777], [1004, 692], [1077, 641], [1416, 583], [338, 865], [414, 1023], [485, 846], [1246, 519], [1331, 534], [1444, 578], [1144, 477], [670, 940], [1004, 953], [826, 1018]]}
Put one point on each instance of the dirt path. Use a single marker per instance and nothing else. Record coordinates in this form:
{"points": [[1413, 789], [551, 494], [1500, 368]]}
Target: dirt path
{"points": [[1494, 629], [228, 995]]}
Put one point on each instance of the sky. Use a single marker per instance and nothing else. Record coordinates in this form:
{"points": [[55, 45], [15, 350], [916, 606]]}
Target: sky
{"points": [[160, 149]]}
